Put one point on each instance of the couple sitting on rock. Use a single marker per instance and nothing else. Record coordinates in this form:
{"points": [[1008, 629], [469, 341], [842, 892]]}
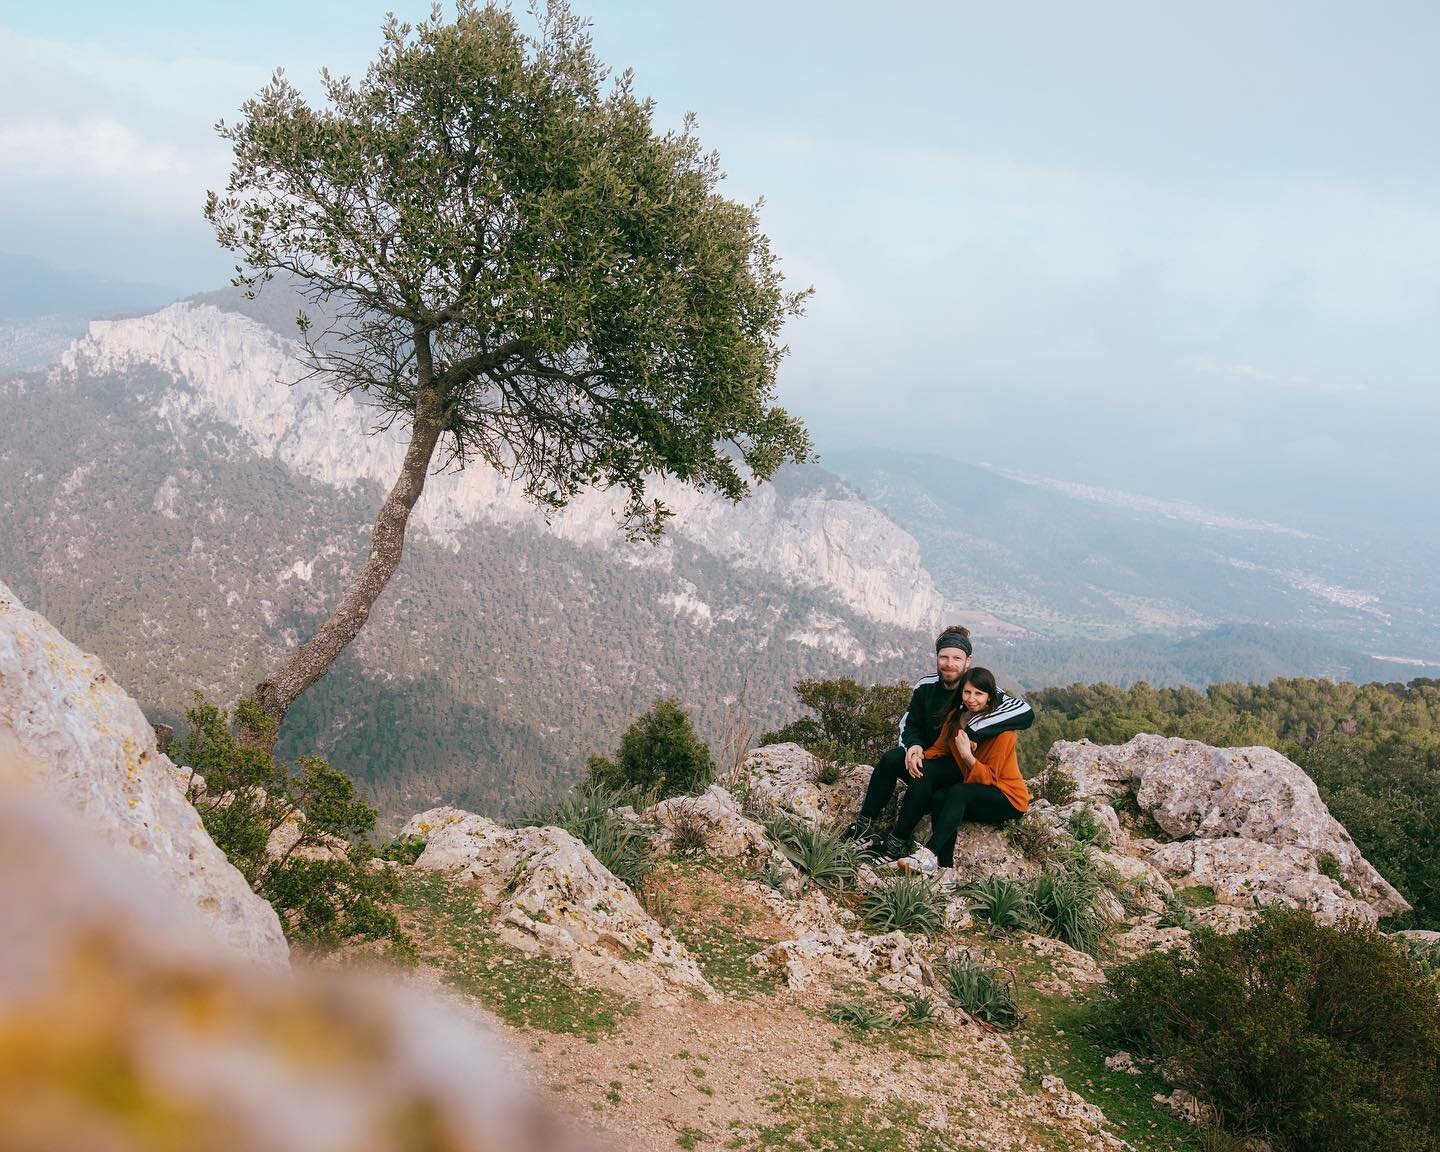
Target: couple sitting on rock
{"points": [[957, 756]]}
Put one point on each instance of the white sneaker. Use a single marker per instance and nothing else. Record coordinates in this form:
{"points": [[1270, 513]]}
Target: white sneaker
{"points": [[921, 861]]}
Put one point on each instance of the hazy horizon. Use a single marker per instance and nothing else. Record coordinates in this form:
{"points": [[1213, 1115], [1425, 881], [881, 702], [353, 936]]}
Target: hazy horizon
{"points": [[1189, 252]]}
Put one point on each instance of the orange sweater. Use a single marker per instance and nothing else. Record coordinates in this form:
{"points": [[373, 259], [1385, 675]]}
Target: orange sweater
{"points": [[995, 764]]}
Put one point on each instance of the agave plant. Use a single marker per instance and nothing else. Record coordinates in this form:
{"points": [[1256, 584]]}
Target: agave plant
{"points": [[983, 990], [905, 902], [822, 854], [1006, 903]]}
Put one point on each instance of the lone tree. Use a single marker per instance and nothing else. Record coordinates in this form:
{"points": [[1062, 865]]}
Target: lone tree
{"points": [[511, 262]]}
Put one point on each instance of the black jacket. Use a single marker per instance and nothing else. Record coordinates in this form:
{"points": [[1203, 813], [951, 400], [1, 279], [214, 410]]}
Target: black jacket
{"points": [[931, 700]]}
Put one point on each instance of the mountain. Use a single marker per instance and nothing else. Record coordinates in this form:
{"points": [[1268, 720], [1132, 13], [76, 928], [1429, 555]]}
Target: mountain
{"points": [[1085, 583], [190, 518]]}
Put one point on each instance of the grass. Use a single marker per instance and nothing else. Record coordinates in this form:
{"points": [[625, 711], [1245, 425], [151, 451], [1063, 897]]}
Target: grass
{"points": [[1004, 902], [1197, 896], [529, 991], [813, 1116], [986, 991], [724, 958], [1053, 1040]]}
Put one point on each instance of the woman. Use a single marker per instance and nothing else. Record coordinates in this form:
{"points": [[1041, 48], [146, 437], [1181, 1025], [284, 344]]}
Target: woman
{"points": [[962, 779]]}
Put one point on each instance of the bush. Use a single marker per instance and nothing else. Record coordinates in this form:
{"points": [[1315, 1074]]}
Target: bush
{"points": [[1055, 785], [853, 723], [1035, 839], [659, 756], [1324, 1039], [404, 849], [588, 814], [318, 878], [1087, 829], [823, 855], [983, 990], [904, 902]]}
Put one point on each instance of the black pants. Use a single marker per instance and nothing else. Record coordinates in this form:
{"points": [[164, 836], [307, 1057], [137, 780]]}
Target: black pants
{"points": [[920, 793], [983, 803]]}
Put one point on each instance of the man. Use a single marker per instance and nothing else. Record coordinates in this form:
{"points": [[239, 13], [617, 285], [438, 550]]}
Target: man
{"points": [[920, 728]]}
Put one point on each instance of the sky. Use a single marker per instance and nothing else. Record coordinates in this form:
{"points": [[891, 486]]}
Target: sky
{"points": [[1191, 249]]}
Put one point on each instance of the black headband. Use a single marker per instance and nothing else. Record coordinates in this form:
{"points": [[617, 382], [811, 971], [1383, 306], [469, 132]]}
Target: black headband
{"points": [[955, 640]]}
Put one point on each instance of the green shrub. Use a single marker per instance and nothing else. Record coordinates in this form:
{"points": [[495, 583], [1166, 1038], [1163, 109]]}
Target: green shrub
{"points": [[853, 723], [1055, 785], [659, 756], [403, 849], [1006, 903], [1086, 828], [1035, 839], [1323, 1039], [321, 885], [820, 853], [909, 903], [587, 813], [985, 991]]}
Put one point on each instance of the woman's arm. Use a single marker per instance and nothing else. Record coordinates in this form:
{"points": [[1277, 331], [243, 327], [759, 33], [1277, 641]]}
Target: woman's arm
{"points": [[999, 751]]}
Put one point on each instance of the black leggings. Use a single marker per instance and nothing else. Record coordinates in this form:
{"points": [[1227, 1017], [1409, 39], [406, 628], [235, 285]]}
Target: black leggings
{"points": [[982, 803], [940, 773]]}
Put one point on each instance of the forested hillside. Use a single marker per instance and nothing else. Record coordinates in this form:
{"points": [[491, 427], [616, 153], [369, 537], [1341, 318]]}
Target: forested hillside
{"points": [[1373, 750]]}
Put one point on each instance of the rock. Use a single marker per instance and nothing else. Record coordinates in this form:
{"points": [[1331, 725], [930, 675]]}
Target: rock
{"points": [[1187, 1107], [727, 830], [66, 728], [981, 851], [1070, 1105], [823, 943], [1148, 887], [1122, 1061], [106, 968], [1193, 790], [551, 895], [1097, 774], [1419, 940], [1102, 814], [1145, 936], [1068, 966], [1249, 874], [783, 777]]}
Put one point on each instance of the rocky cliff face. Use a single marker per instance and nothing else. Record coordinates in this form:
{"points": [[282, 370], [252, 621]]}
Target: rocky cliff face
{"points": [[69, 731], [824, 537]]}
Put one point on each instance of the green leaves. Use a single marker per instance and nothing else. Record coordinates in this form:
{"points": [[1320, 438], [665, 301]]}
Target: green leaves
{"points": [[489, 209]]}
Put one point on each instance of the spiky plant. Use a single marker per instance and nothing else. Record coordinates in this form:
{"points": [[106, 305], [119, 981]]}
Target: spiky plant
{"points": [[860, 1015], [587, 813], [906, 902], [1006, 903], [985, 991], [820, 853]]}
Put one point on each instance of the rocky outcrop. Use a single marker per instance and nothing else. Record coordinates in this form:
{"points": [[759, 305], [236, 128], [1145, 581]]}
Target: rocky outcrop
{"points": [[549, 894], [1258, 813], [107, 968], [1250, 874], [69, 730], [785, 778], [716, 818]]}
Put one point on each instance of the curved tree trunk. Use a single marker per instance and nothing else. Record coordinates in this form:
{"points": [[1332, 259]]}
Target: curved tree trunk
{"points": [[312, 660]]}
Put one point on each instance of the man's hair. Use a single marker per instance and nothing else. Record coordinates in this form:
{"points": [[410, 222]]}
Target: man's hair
{"points": [[950, 632]]}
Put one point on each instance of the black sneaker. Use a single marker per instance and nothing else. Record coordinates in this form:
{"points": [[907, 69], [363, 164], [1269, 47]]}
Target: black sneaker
{"points": [[893, 848], [859, 829]]}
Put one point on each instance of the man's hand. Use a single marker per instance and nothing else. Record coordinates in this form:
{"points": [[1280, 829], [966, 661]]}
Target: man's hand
{"points": [[915, 761]]}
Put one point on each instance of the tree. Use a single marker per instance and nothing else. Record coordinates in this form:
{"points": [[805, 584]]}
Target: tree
{"points": [[510, 261], [659, 756], [853, 723]]}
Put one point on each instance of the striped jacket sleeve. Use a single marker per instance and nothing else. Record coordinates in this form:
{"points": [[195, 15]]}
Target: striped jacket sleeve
{"points": [[1012, 714]]}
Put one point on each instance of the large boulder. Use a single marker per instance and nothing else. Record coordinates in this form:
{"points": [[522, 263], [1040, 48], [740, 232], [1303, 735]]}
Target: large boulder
{"points": [[1247, 873], [717, 816], [549, 894], [66, 728], [1254, 794], [126, 1023], [786, 778]]}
